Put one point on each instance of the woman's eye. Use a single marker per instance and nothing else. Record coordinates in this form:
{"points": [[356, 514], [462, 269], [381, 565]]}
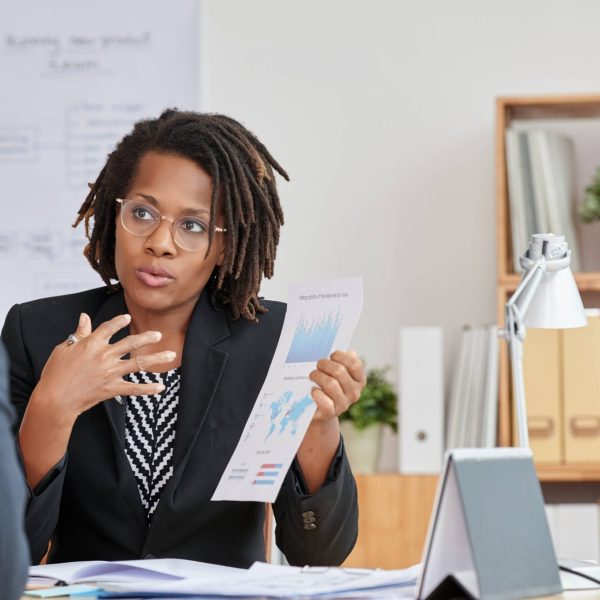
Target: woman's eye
{"points": [[139, 212], [193, 226]]}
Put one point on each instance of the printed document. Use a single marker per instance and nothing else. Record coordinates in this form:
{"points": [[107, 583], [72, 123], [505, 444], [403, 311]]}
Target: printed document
{"points": [[320, 318]]}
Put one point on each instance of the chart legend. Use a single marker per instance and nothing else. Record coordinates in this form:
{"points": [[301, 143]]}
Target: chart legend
{"points": [[268, 474]]}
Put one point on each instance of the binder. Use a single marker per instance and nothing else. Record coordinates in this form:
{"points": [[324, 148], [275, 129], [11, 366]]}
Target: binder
{"points": [[420, 400], [581, 424], [455, 407], [488, 535], [542, 368]]}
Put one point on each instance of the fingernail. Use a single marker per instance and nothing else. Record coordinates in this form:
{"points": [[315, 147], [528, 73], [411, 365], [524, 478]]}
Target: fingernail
{"points": [[127, 317], [81, 320], [160, 388], [156, 335], [170, 355]]}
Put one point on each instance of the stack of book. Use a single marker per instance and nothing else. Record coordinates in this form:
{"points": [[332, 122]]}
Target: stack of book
{"points": [[541, 189], [472, 404]]}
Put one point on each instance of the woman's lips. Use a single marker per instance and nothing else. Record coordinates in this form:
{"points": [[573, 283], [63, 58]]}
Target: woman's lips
{"points": [[153, 278]]}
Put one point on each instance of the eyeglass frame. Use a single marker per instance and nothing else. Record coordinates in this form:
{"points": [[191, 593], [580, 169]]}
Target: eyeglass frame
{"points": [[123, 201]]}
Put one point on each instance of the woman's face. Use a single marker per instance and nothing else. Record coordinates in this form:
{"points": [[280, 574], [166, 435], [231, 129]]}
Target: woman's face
{"points": [[156, 274]]}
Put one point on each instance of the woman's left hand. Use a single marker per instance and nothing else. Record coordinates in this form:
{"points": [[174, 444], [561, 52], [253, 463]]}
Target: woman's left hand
{"points": [[341, 379]]}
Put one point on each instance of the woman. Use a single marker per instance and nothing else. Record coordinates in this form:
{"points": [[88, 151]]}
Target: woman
{"points": [[129, 421]]}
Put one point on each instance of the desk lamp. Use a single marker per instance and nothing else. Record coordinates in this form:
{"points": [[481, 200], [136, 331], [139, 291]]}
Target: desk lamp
{"points": [[547, 298], [488, 534]]}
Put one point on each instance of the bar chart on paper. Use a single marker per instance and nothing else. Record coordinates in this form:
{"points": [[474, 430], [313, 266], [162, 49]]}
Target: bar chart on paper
{"points": [[320, 318], [314, 340]]}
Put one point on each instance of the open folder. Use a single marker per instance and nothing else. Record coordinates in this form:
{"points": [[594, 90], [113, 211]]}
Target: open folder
{"points": [[101, 572]]}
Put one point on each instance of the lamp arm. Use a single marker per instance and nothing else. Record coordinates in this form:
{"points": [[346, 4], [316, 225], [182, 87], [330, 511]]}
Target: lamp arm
{"points": [[514, 333], [524, 292]]}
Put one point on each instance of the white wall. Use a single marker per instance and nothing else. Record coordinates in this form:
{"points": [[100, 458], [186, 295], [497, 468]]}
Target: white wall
{"points": [[383, 114]]}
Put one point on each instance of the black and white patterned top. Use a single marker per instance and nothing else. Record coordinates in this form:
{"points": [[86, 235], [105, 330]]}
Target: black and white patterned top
{"points": [[150, 435]]}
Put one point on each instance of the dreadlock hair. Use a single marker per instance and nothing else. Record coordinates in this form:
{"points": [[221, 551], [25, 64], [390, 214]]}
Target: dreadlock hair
{"points": [[241, 169]]}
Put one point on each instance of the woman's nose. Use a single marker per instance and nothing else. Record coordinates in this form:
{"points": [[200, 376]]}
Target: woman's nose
{"points": [[161, 241]]}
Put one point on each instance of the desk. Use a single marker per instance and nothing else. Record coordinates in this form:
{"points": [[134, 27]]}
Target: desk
{"points": [[578, 595]]}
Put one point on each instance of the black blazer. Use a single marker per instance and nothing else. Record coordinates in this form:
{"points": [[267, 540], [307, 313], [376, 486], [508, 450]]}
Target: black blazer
{"points": [[90, 506]]}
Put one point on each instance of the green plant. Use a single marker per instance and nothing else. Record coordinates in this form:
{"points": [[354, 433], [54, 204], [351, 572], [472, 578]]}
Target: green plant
{"points": [[377, 403], [590, 208]]}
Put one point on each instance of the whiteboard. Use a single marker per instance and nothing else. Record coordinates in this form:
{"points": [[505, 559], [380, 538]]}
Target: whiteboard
{"points": [[74, 78]]}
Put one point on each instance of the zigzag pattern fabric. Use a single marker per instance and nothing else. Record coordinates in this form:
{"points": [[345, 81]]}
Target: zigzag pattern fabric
{"points": [[150, 435]]}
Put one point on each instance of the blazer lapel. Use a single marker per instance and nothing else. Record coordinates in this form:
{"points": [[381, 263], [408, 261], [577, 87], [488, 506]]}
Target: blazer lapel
{"points": [[201, 371], [114, 305], [116, 414]]}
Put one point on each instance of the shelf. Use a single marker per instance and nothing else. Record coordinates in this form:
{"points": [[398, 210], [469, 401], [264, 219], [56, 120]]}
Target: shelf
{"points": [[586, 282], [551, 107], [584, 108], [572, 472]]}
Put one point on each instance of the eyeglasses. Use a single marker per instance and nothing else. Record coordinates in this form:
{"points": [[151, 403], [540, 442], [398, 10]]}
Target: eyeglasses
{"points": [[143, 219]]}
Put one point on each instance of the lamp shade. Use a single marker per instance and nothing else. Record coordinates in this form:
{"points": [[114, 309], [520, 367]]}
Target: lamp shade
{"points": [[555, 303]]}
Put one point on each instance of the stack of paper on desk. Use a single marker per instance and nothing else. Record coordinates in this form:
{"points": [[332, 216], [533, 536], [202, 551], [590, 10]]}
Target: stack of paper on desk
{"points": [[180, 578], [276, 581]]}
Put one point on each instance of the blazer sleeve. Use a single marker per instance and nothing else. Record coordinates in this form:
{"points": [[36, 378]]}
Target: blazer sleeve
{"points": [[44, 502], [14, 555], [318, 529]]}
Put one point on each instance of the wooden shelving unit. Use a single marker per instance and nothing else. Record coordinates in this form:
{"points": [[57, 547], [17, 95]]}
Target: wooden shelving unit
{"points": [[393, 519], [532, 108], [571, 472]]}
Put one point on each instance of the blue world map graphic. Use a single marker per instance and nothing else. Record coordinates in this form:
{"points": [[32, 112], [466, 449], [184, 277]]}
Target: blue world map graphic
{"points": [[286, 413]]}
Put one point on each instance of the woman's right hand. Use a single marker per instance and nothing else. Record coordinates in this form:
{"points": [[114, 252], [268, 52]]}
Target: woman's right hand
{"points": [[75, 378], [78, 376]]}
